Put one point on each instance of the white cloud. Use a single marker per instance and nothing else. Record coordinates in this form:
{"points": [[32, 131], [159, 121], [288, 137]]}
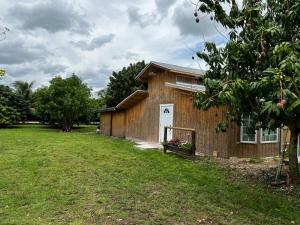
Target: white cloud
{"points": [[94, 37], [97, 42], [53, 16]]}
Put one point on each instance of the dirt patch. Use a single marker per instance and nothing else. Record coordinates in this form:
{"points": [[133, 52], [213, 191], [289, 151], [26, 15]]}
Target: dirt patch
{"points": [[262, 170], [259, 171]]}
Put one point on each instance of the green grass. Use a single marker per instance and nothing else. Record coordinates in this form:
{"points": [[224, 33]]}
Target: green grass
{"points": [[50, 177]]}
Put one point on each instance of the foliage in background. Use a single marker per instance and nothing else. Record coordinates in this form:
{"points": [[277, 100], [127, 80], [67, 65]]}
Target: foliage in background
{"points": [[65, 102], [24, 89], [10, 105], [122, 84], [2, 73], [257, 73]]}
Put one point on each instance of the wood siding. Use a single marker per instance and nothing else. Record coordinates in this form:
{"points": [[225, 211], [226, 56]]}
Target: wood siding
{"points": [[143, 118], [248, 150], [141, 122], [204, 122], [118, 124], [105, 123]]}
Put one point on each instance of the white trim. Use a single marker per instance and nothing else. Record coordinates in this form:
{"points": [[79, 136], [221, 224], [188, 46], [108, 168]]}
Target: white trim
{"points": [[268, 142], [164, 105], [185, 87], [247, 142], [241, 135]]}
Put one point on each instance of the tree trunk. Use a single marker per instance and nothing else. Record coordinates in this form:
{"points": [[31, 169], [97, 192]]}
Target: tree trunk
{"points": [[68, 124], [293, 156]]}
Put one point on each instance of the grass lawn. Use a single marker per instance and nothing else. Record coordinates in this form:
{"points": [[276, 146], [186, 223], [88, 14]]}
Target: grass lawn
{"points": [[50, 177]]}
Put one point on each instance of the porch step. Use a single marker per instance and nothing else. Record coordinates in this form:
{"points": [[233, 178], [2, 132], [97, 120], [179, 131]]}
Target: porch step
{"points": [[148, 145]]}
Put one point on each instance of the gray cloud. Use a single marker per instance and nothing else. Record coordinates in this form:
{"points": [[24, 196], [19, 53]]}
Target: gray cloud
{"points": [[185, 21], [96, 77], [163, 6], [46, 37], [97, 42], [52, 69], [135, 17], [128, 56], [16, 52], [53, 16]]}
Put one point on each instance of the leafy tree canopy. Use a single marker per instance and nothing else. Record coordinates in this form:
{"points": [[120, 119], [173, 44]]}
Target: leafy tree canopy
{"points": [[257, 73], [123, 83], [24, 89], [64, 102], [2, 73], [10, 105]]}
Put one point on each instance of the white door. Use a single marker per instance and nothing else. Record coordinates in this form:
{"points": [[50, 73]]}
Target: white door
{"points": [[165, 119]]}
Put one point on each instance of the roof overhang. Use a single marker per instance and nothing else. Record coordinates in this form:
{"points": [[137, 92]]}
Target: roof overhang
{"points": [[153, 68], [132, 99], [111, 109], [189, 88]]}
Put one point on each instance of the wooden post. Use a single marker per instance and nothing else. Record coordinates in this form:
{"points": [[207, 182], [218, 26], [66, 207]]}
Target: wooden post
{"points": [[165, 138], [110, 132], [193, 142]]}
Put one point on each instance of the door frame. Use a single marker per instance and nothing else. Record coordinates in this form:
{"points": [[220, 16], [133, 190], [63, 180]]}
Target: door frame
{"points": [[163, 105]]}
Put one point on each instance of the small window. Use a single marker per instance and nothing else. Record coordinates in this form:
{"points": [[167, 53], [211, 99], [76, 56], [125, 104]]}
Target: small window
{"points": [[247, 137], [268, 136], [189, 83], [166, 111]]}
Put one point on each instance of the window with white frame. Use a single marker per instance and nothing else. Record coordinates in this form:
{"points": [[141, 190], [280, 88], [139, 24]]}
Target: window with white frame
{"points": [[268, 136], [246, 136], [189, 83]]}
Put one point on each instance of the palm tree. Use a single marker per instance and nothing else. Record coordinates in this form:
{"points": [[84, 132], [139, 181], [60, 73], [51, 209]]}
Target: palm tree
{"points": [[24, 89]]}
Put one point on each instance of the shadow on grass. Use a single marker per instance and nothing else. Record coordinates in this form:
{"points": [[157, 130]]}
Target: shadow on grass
{"points": [[82, 128]]}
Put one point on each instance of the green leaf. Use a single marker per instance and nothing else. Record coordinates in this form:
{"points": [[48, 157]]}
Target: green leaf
{"points": [[294, 105]]}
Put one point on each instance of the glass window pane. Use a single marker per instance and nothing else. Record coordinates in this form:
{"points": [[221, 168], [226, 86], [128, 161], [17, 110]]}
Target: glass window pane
{"points": [[247, 137], [269, 135]]}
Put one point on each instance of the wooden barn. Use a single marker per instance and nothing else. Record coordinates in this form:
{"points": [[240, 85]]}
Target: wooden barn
{"points": [[168, 101]]}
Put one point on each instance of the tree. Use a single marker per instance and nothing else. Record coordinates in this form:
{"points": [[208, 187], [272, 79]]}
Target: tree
{"points": [[123, 83], [98, 103], [65, 102], [10, 103], [257, 73], [2, 73], [24, 89]]}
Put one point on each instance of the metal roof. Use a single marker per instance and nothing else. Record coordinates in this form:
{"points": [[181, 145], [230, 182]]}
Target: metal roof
{"points": [[173, 68], [132, 99], [111, 109]]}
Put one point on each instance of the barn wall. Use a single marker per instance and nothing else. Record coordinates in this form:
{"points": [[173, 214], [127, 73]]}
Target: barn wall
{"points": [[105, 123], [118, 124], [141, 121], [143, 118], [204, 122], [247, 150]]}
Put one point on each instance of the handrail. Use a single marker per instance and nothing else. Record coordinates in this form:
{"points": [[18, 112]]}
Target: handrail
{"points": [[180, 128], [193, 131]]}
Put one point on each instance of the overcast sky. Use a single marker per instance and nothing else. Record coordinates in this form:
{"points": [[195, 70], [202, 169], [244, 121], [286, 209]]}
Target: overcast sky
{"points": [[91, 38]]}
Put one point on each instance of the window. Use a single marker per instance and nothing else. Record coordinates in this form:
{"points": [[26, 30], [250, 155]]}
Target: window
{"points": [[189, 83], [247, 137], [166, 111], [268, 136], [185, 80]]}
